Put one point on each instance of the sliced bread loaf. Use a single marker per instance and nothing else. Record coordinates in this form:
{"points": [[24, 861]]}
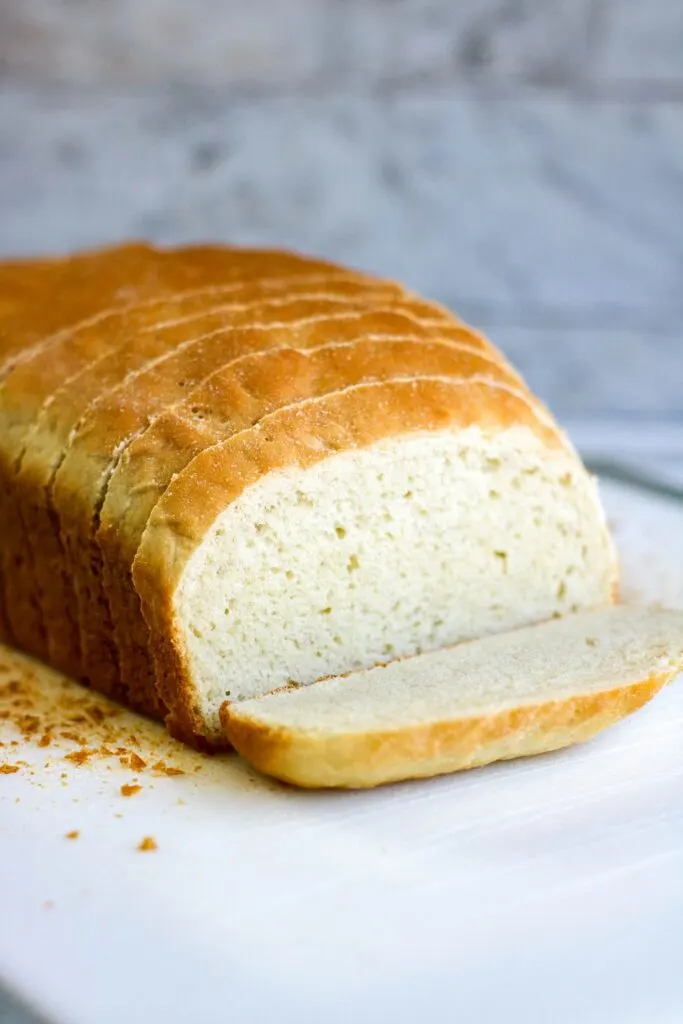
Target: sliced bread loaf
{"points": [[525, 692], [331, 511]]}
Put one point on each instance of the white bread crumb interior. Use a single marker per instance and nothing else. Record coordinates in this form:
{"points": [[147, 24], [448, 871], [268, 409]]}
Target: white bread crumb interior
{"points": [[412, 544]]}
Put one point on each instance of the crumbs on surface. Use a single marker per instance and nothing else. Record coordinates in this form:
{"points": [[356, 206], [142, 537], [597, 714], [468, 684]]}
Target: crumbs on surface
{"points": [[130, 790], [147, 844], [74, 834], [46, 710]]}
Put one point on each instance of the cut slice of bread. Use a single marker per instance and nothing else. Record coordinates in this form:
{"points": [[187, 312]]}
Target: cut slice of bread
{"points": [[377, 522], [513, 695], [232, 400]]}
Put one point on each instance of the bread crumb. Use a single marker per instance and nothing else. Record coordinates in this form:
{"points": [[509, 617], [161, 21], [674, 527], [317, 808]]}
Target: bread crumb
{"points": [[72, 835], [80, 757], [161, 768], [66, 734], [148, 844], [130, 790], [591, 641], [8, 769], [45, 740]]}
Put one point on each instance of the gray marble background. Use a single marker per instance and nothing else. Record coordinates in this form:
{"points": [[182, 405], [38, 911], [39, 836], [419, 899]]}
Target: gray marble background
{"points": [[521, 160]]}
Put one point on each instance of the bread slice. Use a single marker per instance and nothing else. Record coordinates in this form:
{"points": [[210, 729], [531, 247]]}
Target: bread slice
{"points": [[389, 519], [520, 693], [100, 362], [232, 400]]}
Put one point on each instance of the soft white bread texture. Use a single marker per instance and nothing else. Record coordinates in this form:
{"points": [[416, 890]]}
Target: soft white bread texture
{"points": [[525, 692]]}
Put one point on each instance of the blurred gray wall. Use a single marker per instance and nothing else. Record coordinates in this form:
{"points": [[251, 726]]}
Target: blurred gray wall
{"points": [[521, 161]]}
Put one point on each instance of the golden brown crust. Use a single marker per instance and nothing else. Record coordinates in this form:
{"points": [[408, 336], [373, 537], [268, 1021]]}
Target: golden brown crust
{"points": [[234, 399], [300, 437], [92, 286], [365, 759], [68, 290]]}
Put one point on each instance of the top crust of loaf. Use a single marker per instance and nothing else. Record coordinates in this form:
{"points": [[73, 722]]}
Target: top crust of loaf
{"points": [[92, 287]]}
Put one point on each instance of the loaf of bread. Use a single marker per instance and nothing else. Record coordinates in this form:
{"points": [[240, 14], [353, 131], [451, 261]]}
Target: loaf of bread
{"points": [[226, 471]]}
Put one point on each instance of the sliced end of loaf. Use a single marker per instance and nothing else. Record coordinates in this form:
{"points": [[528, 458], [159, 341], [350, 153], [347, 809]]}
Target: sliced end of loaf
{"points": [[372, 554], [522, 693]]}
